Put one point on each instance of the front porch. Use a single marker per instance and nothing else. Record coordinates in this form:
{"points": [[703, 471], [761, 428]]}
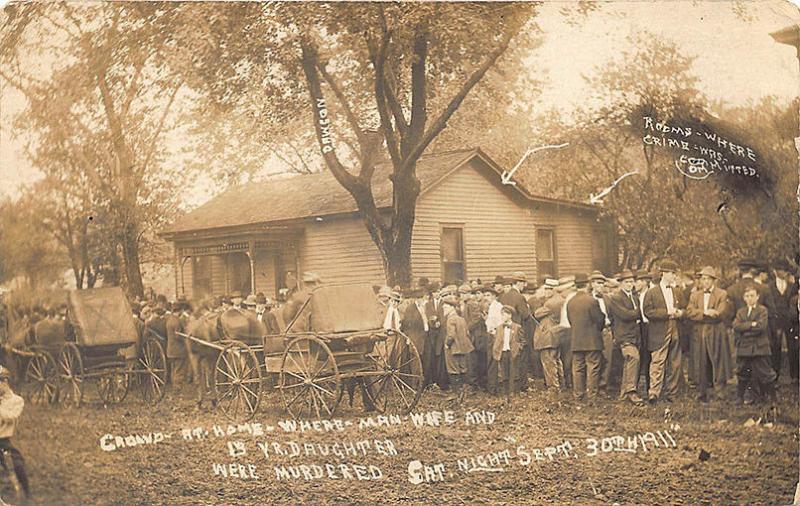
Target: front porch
{"points": [[249, 263]]}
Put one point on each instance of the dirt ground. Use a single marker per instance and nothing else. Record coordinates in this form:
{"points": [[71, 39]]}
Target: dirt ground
{"points": [[534, 451]]}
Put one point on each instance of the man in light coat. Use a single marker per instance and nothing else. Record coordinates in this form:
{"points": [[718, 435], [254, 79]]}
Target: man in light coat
{"points": [[711, 357]]}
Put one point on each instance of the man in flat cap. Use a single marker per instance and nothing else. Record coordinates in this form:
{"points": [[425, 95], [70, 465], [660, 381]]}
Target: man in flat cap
{"points": [[586, 321], [709, 311], [522, 316], [626, 318], [662, 309], [784, 290]]}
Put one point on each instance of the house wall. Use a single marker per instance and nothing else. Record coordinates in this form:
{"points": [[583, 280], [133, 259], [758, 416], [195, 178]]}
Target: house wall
{"points": [[498, 233], [575, 232], [340, 250]]}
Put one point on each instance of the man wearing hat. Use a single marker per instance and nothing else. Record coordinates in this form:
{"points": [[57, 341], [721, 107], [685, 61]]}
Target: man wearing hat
{"points": [[784, 289], [643, 283], [457, 345], [547, 341], [265, 315], [626, 318], [414, 323], [566, 290], [433, 365], [597, 280], [766, 297], [662, 309], [176, 345], [506, 349], [586, 321], [710, 352], [522, 316]]}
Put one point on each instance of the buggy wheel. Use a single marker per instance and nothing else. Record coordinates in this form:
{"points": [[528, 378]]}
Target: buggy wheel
{"points": [[41, 378], [113, 386], [70, 375], [309, 379], [397, 386], [237, 381], [153, 364]]}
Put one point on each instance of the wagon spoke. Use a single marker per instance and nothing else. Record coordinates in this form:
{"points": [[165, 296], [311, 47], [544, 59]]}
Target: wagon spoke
{"points": [[303, 369], [248, 390], [318, 371], [400, 390], [251, 408], [298, 394], [318, 387]]}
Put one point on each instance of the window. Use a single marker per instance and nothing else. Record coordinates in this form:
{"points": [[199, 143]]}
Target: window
{"points": [[546, 253], [453, 266], [239, 273]]}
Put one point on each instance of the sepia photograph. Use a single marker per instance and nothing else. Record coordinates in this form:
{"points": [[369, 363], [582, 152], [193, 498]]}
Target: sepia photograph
{"points": [[399, 252]]}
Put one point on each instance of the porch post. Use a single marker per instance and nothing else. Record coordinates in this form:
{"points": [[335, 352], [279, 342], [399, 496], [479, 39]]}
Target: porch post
{"points": [[249, 252], [178, 266]]}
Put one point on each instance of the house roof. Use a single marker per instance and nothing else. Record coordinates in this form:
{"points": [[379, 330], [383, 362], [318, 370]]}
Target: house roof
{"points": [[319, 194]]}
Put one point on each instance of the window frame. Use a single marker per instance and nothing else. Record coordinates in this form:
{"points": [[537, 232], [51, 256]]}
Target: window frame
{"points": [[463, 262], [554, 244]]}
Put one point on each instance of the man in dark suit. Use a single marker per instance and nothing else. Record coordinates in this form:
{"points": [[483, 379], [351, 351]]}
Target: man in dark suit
{"points": [[433, 365], [414, 323], [522, 317], [586, 321], [766, 298], [662, 309], [709, 310], [625, 320], [643, 279], [751, 327], [784, 288]]}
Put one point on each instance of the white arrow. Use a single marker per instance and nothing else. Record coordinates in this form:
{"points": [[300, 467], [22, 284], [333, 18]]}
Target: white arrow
{"points": [[598, 199], [506, 176]]}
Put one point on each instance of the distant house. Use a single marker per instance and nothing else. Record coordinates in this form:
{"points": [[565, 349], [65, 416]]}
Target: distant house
{"points": [[468, 225]]}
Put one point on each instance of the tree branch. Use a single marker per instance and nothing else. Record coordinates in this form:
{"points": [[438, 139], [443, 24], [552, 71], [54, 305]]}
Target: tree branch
{"points": [[419, 106], [348, 111], [455, 102], [378, 57], [159, 128]]}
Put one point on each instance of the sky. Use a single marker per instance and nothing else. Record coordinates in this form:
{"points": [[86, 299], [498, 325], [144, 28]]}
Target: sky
{"points": [[737, 61]]}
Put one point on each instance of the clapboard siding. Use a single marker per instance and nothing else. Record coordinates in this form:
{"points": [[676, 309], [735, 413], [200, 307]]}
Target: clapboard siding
{"points": [[341, 251], [574, 231], [498, 236]]}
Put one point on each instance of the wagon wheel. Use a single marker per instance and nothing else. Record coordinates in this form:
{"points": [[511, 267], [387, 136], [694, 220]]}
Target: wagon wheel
{"points": [[41, 376], [397, 386], [70, 371], [153, 363], [237, 381], [113, 385], [309, 380]]}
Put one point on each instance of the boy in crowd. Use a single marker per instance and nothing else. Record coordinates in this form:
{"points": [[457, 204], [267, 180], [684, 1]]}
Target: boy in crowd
{"points": [[753, 353]]}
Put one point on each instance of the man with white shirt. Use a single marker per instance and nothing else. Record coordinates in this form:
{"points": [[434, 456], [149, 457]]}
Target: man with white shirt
{"points": [[566, 289], [598, 284], [661, 307]]}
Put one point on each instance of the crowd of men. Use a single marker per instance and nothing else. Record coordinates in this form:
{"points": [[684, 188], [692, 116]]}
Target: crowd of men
{"points": [[645, 334], [649, 333]]}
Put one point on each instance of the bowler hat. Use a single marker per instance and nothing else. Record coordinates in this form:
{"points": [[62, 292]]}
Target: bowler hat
{"points": [[626, 274], [746, 263], [782, 265], [488, 288], [708, 271], [500, 280], [518, 276], [450, 299], [643, 274], [581, 279], [762, 266], [261, 299], [596, 276], [668, 266], [250, 300]]}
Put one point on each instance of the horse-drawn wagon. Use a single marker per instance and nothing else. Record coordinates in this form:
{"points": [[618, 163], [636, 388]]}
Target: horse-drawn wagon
{"points": [[342, 344], [91, 348]]}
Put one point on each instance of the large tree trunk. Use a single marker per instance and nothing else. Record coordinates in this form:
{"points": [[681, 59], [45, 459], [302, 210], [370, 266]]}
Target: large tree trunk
{"points": [[130, 255]]}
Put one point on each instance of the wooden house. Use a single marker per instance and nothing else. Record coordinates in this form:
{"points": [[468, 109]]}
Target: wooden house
{"points": [[468, 225]]}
